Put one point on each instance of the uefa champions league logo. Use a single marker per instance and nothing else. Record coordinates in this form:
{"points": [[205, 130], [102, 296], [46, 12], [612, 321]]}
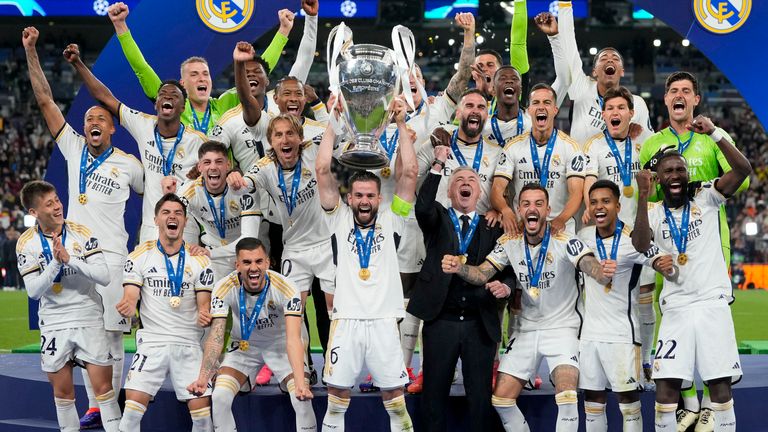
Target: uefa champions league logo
{"points": [[722, 16], [225, 16]]}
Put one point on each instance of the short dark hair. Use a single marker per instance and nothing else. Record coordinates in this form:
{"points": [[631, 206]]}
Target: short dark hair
{"points": [[364, 176], [288, 78], [33, 190], [494, 53], [605, 184], [621, 92], [533, 186], [258, 59], [169, 197], [666, 155], [503, 68], [543, 86], [176, 83], [211, 146], [250, 243], [682, 76], [471, 91], [597, 56]]}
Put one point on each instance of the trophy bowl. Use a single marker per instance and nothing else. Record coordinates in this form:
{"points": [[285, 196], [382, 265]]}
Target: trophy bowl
{"points": [[368, 81]]}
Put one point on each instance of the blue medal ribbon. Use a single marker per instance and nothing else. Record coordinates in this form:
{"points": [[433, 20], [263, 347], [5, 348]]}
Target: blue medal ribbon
{"points": [[460, 157], [87, 169], [168, 162], [174, 276], [248, 323], [219, 220], [290, 202], [681, 146], [197, 124], [364, 246], [542, 169], [47, 249], [601, 102], [391, 145], [680, 236], [463, 241], [497, 130], [625, 164], [614, 243], [535, 274]]}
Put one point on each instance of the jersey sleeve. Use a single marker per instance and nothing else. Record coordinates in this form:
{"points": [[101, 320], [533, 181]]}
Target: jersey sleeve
{"points": [[136, 122], [499, 257], [592, 166], [505, 167], [723, 162], [424, 157], [335, 216], [271, 55], [646, 258], [136, 174], [259, 130], [441, 110], [709, 196], [577, 161], [219, 304], [256, 175], [132, 270], [205, 277], [26, 259], [575, 248], [148, 79], [518, 40], [70, 142], [292, 306]]}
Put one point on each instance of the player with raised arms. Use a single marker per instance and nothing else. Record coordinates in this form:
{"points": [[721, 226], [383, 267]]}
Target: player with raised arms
{"points": [[61, 263]]}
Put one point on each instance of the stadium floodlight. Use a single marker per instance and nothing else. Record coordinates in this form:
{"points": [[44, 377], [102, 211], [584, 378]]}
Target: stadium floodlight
{"points": [[455, 66], [657, 43], [592, 51], [750, 228], [451, 42], [686, 42], [480, 39], [29, 221]]}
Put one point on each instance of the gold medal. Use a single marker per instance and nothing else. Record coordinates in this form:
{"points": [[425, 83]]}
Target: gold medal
{"points": [[57, 287], [608, 287], [629, 191], [175, 301], [386, 172], [364, 274], [534, 293], [82, 199], [682, 259], [244, 345], [463, 259]]}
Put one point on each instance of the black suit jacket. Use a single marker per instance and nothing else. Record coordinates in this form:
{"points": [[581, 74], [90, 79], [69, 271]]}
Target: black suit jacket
{"points": [[431, 288]]}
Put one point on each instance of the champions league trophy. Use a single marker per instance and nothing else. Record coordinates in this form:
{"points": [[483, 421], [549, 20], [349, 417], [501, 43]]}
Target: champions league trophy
{"points": [[365, 78]]}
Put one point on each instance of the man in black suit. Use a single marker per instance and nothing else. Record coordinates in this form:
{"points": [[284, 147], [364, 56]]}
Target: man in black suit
{"points": [[460, 319]]}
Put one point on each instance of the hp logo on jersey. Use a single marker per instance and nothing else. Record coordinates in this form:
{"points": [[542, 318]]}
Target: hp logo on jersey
{"points": [[722, 16], [225, 16]]}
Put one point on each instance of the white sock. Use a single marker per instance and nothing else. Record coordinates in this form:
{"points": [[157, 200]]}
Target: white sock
{"points": [[725, 417], [706, 402], [110, 411], [305, 415], [66, 414], [117, 349], [647, 324], [224, 392], [399, 419], [596, 420], [666, 421], [92, 402], [567, 411], [131, 421], [201, 419], [511, 417], [409, 335], [334, 415], [633, 417], [691, 400]]}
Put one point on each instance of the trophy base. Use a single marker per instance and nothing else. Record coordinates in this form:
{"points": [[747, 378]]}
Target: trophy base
{"points": [[365, 154]]}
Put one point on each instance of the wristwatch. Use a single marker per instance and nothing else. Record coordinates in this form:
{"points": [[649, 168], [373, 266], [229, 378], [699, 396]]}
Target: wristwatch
{"points": [[438, 162]]}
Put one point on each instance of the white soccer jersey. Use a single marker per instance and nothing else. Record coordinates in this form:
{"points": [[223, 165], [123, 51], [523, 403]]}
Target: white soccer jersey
{"points": [[106, 189], [507, 129], [704, 278], [161, 323], [76, 303], [381, 295], [142, 128], [248, 143], [611, 312], [283, 299], [567, 161], [601, 163], [491, 154], [588, 112], [304, 227], [551, 304]]}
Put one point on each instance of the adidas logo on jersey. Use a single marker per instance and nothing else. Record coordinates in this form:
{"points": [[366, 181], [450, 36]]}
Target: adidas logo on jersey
{"points": [[574, 358], [522, 161], [631, 381], [245, 132], [403, 374], [123, 322], [153, 270], [609, 155], [736, 366]]}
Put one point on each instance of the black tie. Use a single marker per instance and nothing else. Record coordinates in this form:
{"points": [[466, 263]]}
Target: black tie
{"points": [[464, 225]]}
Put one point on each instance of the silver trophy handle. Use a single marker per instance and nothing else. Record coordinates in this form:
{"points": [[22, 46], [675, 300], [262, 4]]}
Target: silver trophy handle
{"points": [[404, 45], [339, 40]]}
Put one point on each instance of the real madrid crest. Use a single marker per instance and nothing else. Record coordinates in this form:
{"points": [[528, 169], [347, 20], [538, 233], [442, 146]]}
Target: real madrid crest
{"points": [[187, 271], [306, 173], [114, 172], [225, 16], [234, 206], [180, 153]]}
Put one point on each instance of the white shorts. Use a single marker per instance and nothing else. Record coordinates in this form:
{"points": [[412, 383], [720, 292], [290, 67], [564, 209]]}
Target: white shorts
{"points": [[153, 362], [611, 365], [647, 276], [374, 344], [699, 338], [303, 265], [80, 345], [148, 232], [250, 362], [112, 293], [411, 251], [526, 349]]}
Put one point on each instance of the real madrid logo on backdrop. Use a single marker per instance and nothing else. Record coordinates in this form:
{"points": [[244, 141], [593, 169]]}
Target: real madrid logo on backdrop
{"points": [[722, 16], [225, 16]]}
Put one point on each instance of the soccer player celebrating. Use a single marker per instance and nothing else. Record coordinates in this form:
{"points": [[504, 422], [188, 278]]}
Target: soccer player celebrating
{"points": [[608, 347], [261, 335], [168, 148], [61, 264], [697, 329], [549, 323], [97, 197], [546, 156], [175, 292], [509, 119], [368, 299]]}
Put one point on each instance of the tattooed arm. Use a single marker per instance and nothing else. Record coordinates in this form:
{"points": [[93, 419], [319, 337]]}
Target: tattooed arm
{"points": [[213, 346], [459, 80], [602, 273], [476, 275]]}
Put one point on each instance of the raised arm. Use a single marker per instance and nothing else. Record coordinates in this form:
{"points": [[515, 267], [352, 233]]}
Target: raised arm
{"points": [[51, 112], [252, 105], [460, 79], [426, 209], [272, 54], [551, 27], [211, 350], [96, 88], [148, 79], [736, 167], [641, 235], [326, 184], [518, 38], [308, 44], [407, 166]]}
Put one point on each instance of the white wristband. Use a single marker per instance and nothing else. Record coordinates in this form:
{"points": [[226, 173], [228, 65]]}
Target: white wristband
{"points": [[716, 135]]}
